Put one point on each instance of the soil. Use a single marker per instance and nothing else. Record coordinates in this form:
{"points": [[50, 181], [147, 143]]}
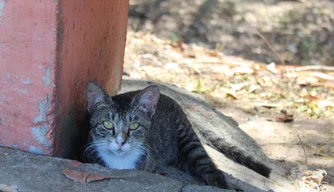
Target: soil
{"points": [[300, 31], [287, 109]]}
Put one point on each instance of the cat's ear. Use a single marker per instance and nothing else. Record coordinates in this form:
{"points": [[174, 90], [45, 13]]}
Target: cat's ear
{"points": [[95, 96], [147, 99]]}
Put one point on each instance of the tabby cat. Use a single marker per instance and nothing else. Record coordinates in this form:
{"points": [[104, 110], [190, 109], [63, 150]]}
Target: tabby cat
{"points": [[147, 131]]}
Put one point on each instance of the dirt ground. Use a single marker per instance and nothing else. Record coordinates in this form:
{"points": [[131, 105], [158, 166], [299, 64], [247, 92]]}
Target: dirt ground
{"points": [[287, 109], [274, 110], [301, 31]]}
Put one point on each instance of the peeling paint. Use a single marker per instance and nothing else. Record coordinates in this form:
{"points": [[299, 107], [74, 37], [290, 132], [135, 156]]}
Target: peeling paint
{"points": [[24, 91], [20, 91], [43, 108], [26, 81], [35, 150], [39, 134], [76, 21], [2, 5], [9, 75], [47, 78]]}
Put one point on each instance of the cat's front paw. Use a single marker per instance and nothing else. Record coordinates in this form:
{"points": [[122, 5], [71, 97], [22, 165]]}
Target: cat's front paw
{"points": [[215, 179]]}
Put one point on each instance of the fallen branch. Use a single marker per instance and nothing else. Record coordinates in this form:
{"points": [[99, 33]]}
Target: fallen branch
{"points": [[302, 144], [318, 75], [311, 68], [270, 47]]}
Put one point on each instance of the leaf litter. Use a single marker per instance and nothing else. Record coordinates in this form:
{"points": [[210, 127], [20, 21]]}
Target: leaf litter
{"points": [[282, 92], [302, 90]]}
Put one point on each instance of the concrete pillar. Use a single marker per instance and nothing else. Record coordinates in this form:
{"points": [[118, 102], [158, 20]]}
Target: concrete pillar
{"points": [[48, 51]]}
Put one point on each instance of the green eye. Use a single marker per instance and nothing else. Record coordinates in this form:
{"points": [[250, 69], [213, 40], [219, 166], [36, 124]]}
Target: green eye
{"points": [[134, 126], [108, 124]]}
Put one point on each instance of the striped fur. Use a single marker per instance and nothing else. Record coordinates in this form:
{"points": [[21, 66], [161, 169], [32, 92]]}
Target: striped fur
{"points": [[164, 137]]}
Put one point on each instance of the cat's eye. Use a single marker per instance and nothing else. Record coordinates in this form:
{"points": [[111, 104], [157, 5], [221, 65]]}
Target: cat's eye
{"points": [[108, 124], [134, 126]]}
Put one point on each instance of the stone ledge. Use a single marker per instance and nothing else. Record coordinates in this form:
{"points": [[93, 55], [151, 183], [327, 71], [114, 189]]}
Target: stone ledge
{"points": [[23, 171]]}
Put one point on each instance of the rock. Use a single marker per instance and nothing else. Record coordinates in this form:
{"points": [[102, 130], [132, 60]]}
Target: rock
{"points": [[7, 188], [23, 171], [207, 120], [197, 188], [308, 178]]}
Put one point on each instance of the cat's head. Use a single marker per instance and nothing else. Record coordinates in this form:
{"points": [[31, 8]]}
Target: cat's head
{"points": [[119, 128]]}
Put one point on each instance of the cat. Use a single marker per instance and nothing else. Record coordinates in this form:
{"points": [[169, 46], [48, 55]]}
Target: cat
{"points": [[145, 130]]}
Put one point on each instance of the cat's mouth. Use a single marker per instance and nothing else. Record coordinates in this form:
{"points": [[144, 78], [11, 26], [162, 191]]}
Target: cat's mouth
{"points": [[119, 152]]}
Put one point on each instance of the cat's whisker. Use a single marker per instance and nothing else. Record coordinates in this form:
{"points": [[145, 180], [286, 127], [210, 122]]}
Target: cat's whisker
{"points": [[142, 148], [91, 143], [92, 147], [92, 150]]}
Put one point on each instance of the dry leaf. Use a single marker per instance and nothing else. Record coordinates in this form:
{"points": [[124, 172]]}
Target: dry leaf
{"points": [[7, 188], [243, 70], [325, 104], [238, 87], [179, 45], [86, 177], [329, 85], [75, 163], [190, 55], [230, 95], [310, 97], [253, 88], [272, 68], [213, 54], [285, 117], [268, 105]]}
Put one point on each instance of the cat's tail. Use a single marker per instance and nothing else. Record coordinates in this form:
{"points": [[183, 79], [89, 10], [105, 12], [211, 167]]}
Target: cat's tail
{"points": [[239, 156], [195, 158]]}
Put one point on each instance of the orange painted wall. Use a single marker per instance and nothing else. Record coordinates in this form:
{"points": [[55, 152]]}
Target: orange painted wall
{"points": [[48, 51], [91, 39], [27, 59]]}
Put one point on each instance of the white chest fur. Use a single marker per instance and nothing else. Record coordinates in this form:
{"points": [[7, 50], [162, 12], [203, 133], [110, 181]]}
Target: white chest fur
{"points": [[126, 161]]}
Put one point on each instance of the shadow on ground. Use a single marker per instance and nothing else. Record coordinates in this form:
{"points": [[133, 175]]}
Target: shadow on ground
{"points": [[300, 31]]}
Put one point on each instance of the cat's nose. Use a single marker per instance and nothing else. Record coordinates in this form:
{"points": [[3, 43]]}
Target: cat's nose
{"points": [[120, 144]]}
